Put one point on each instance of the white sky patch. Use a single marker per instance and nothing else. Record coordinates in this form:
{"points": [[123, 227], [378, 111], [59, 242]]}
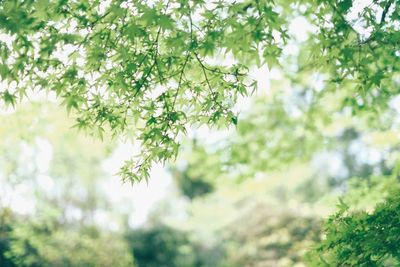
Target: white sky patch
{"points": [[46, 183], [262, 75], [140, 198], [355, 16], [73, 213], [36, 160], [43, 155], [300, 28], [395, 103], [104, 218], [103, 6], [23, 200], [357, 8], [365, 154], [330, 163], [63, 52]]}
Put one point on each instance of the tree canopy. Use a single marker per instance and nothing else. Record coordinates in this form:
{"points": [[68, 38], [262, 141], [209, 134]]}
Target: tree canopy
{"points": [[149, 70]]}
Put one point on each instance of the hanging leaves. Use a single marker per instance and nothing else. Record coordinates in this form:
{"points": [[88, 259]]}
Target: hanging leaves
{"points": [[150, 69]]}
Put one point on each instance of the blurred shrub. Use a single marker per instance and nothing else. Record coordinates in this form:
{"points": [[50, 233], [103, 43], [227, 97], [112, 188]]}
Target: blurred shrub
{"points": [[6, 220], [267, 238], [48, 243], [190, 186], [48, 235], [197, 177], [164, 246]]}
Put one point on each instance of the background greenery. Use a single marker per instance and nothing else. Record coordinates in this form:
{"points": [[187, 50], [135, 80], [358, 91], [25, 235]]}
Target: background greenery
{"points": [[301, 165], [275, 218]]}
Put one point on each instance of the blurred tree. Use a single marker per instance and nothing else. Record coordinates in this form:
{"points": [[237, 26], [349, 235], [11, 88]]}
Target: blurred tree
{"points": [[6, 220], [266, 221], [271, 238], [192, 186], [195, 177], [44, 243], [61, 174], [161, 245]]}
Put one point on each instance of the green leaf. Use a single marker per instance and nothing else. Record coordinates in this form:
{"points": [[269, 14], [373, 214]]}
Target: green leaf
{"points": [[166, 22], [345, 5], [9, 98]]}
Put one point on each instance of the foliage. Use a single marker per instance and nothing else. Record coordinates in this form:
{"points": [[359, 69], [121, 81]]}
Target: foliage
{"points": [[258, 233], [6, 219], [162, 245], [196, 176], [44, 243], [271, 238], [267, 138], [362, 238], [192, 186], [149, 58], [149, 70], [359, 51], [61, 173]]}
